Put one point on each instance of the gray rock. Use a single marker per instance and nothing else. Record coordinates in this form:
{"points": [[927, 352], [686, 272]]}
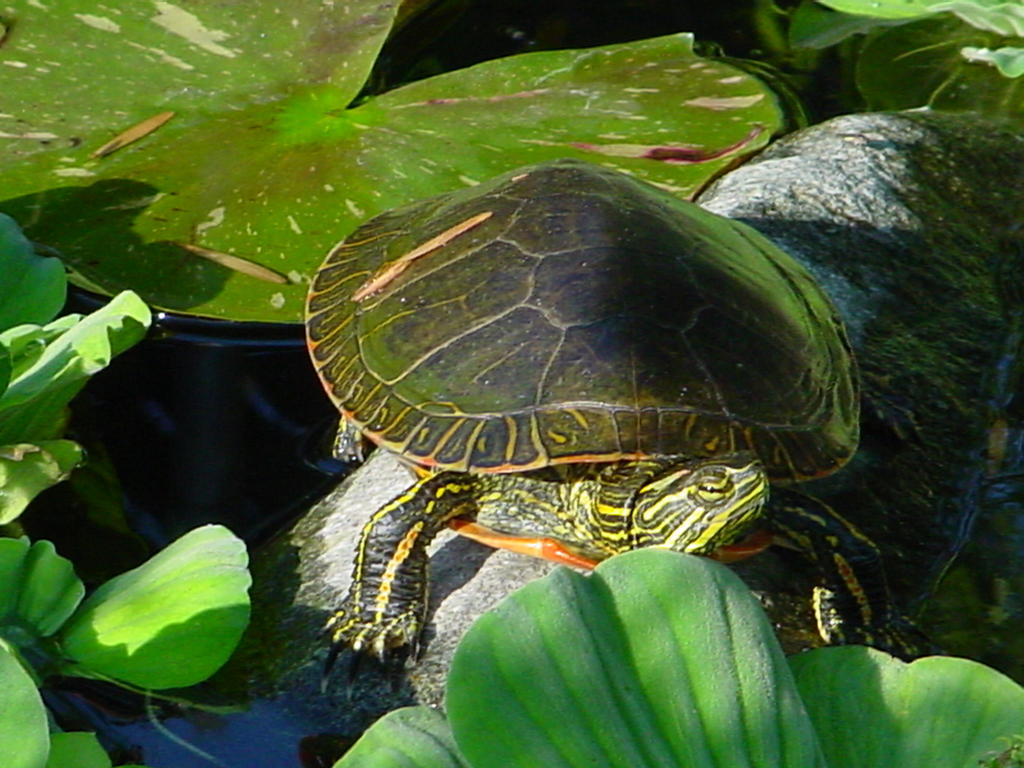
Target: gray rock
{"points": [[859, 189], [914, 224], [302, 575]]}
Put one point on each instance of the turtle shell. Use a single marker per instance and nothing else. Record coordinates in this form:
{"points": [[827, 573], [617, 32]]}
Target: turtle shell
{"points": [[565, 312]]}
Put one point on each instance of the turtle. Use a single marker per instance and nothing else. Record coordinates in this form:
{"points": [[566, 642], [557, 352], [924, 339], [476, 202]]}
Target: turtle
{"points": [[570, 355]]}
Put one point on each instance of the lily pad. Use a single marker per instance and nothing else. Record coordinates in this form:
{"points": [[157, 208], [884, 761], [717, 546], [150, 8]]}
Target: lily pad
{"points": [[228, 208], [171, 622], [870, 709], [613, 670], [23, 732], [38, 590]]}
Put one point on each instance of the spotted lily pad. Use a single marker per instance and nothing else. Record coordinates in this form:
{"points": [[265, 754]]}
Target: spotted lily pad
{"points": [[227, 208]]}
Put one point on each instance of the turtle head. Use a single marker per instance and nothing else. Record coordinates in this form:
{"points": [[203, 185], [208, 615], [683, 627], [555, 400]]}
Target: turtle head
{"points": [[699, 505]]}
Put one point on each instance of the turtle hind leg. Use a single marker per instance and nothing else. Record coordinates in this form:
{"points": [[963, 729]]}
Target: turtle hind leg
{"points": [[349, 445], [853, 605], [385, 608]]}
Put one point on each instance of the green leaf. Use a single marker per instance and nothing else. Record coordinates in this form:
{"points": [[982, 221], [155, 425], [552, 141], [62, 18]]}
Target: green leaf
{"points": [[169, 623], [1004, 17], [921, 64], [38, 590], [23, 731], [872, 710], [884, 9], [280, 171], [26, 470], [412, 737], [33, 288], [1008, 60], [52, 363], [657, 659], [813, 26], [76, 750], [190, 57]]}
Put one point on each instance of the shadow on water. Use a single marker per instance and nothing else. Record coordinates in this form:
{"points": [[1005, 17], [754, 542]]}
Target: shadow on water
{"points": [[204, 421]]}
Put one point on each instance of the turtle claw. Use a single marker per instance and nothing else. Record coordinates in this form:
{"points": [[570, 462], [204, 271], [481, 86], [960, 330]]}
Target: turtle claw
{"points": [[899, 637], [902, 639], [390, 642]]}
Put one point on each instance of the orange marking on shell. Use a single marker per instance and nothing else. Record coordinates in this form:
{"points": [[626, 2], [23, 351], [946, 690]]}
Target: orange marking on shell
{"points": [[433, 464], [390, 271], [596, 458]]}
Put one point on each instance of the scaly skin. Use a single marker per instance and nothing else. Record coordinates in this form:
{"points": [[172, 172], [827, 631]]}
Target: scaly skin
{"points": [[596, 510]]}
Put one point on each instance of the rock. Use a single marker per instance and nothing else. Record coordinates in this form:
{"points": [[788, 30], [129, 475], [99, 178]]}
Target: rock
{"points": [[912, 223], [902, 217], [301, 576]]}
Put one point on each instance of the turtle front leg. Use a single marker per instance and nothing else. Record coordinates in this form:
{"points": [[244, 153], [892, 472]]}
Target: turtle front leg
{"points": [[853, 605], [386, 604]]}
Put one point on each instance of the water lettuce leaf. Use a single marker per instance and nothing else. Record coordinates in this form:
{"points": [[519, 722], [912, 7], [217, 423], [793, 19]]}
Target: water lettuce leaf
{"points": [[49, 364], [27, 469], [76, 750], [39, 590], [171, 622], [33, 287], [23, 729], [1004, 17], [656, 659], [937, 712], [411, 737]]}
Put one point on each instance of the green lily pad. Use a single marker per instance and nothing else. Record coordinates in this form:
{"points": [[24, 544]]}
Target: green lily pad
{"points": [[33, 287], [272, 166], [27, 469], [171, 622], [870, 709], [411, 737], [24, 742], [38, 590], [50, 364], [613, 670]]}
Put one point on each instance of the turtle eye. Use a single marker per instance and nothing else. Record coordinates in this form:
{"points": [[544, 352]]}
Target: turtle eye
{"points": [[713, 490]]}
